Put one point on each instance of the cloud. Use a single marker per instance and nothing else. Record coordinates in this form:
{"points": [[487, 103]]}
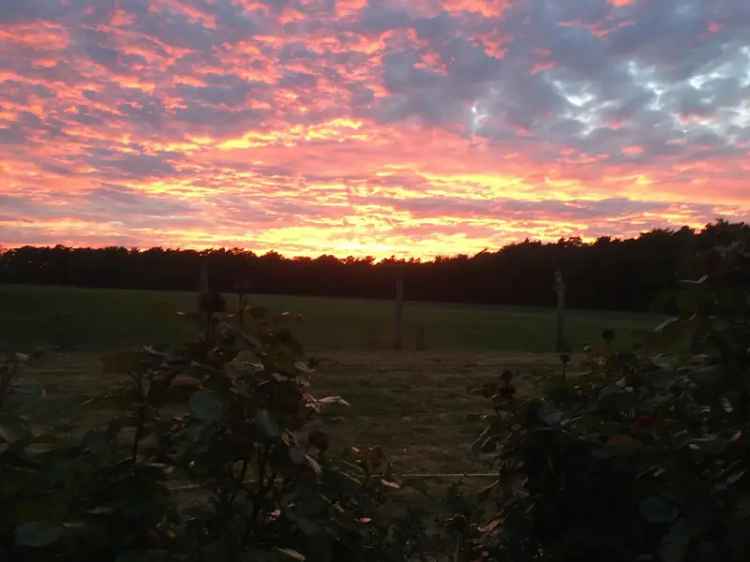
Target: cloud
{"points": [[371, 126]]}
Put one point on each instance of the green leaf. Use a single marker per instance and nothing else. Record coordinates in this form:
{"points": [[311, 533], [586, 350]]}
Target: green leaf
{"points": [[658, 510], [38, 534], [206, 406]]}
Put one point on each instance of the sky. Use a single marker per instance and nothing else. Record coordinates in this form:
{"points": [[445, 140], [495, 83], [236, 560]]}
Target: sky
{"points": [[411, 128]]}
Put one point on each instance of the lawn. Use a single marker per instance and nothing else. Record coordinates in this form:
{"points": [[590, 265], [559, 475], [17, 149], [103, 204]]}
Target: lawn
{"points": [[104, 319], [422, 408]]}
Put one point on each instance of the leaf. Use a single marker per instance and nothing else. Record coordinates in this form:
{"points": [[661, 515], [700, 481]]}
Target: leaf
{"points": [[37, 534], [293, 554], [328, 400], [267, 427], [390, 484], [726, 404], [189, 315], [206, 406], [491, 526], [711, 445], [314, 465], [303, 367], [736, 477], [694, 282], [675, 335], [658, 510]]}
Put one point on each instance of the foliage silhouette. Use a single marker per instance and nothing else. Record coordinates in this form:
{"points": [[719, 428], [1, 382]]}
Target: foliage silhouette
{"points": [[645, 455], [242, 426], [607, 274]]}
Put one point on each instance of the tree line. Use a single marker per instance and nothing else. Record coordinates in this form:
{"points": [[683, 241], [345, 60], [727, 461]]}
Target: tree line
{"points": [[609, 273]]}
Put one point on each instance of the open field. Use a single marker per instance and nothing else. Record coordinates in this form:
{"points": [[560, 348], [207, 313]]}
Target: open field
{"points": [[422, 407], [102, 319], [418, 406]]}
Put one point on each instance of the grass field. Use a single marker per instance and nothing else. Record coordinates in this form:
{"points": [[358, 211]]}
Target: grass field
{"points": [[418, 405], [422, 408], [103, 319]]}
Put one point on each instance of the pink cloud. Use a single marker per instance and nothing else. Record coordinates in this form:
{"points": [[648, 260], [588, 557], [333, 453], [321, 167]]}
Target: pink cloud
{"points": [[366, 128]]}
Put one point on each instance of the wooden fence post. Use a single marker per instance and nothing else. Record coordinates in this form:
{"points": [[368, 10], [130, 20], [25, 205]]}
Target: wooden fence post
{"points": [[399, 310], [561, 344], [204, 301], [242, 289]]}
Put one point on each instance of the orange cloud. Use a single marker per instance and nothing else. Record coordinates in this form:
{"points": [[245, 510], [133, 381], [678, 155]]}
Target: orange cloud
{"points": [[363, 128]]}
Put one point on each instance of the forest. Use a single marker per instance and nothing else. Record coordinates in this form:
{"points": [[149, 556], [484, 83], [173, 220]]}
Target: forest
{"points": [[632, 274]]}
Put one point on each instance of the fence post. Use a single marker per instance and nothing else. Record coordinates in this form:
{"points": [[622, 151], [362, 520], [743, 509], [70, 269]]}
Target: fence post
{"points": [[204, 301], [561, 344], [242, 288], [399, 310]]}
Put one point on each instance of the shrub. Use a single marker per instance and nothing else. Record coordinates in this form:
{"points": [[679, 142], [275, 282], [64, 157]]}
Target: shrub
{"points": [[648, 460], [242, 433]]}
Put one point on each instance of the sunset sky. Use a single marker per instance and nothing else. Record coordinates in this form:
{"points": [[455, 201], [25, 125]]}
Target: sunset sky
{"points": [[369, 127]]}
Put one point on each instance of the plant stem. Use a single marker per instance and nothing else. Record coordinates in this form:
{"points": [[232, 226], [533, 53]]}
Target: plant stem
{"points": [[262, 489], [138, 433], [239, 481]]}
